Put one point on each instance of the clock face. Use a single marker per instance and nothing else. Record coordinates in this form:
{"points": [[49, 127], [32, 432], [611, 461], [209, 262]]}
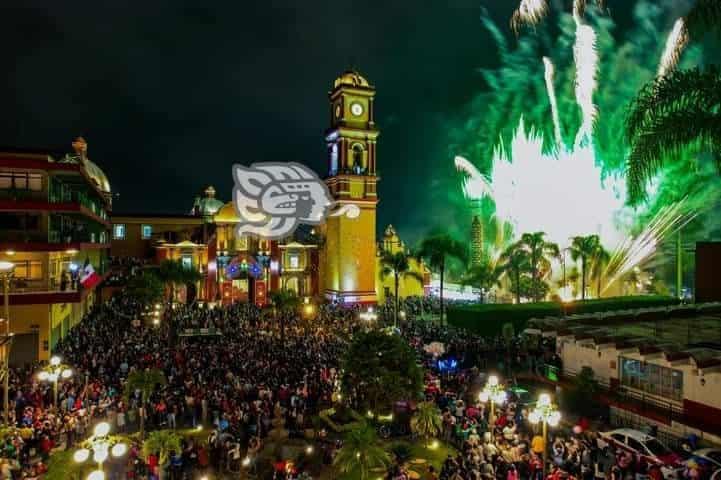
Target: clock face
{"points": [[337, 111], [356, 109]]}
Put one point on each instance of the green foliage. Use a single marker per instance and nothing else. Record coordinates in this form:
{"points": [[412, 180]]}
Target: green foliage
{"points": [[670, 115], [379, 369], [488, 319], [483, 276], [515, 262], [144, 381], [426, 421], [401, 452], [146, 288], [361, 452], [437, 250], [580, 397], [398, 265], [174, 272], [584, 248], [161, 443]]}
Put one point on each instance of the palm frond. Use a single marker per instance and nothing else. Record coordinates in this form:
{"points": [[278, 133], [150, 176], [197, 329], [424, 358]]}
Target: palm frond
{"points": [[704, 17]]}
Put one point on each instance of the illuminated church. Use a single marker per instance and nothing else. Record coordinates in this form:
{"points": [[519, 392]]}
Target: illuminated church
{"points": [[338, 260]]}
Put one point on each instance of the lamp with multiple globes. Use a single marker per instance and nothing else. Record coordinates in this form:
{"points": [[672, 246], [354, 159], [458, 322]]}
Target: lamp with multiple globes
{"points": [[101, 445], [369, 315], [493, 393], [54, 372], [547, 414]]}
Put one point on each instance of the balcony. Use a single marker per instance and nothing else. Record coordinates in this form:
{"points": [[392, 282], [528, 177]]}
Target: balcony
{"points": [[51, 241], [58, 200], [34, 292]]}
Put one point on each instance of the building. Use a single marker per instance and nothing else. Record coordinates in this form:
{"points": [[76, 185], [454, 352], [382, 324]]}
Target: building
{"points": [[337, 261], [54, 221], [476, 241], [408, 286], [662, 365]]}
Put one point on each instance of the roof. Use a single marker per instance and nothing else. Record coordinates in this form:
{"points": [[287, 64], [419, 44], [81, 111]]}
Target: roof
{"points": [[351, 78]]}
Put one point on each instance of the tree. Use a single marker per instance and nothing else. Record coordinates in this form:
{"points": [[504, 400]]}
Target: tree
{"points": [[379, 369], [584, 248], [539, 254], [398, 265], [704, 16], [173, 273], [600, 260], [161, 443], [285, 303], [361, 452], [514, 261], [145, 382], [426, 421], [483, 276], [672, 113], [145, 288], [436, 250]]}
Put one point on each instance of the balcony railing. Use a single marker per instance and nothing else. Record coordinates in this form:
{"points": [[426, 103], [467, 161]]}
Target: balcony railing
{"points": [[53, 236], [23, 195]]}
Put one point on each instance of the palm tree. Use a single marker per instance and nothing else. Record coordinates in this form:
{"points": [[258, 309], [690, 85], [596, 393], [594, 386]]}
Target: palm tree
{"points": [[514, 261], [173, 272], [436, 250], [539, 253], [670, 114], [398, 265], [161, 443], [427, 422], [285, 303], [361, 452], [584, 248], [600, 260], [145, 382], [483, 276], [704, 16]]}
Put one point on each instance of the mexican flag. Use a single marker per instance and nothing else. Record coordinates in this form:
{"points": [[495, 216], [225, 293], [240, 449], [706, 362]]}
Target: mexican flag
{"points": [[88, 277]]}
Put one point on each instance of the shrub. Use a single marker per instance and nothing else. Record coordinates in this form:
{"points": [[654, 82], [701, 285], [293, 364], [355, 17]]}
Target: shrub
{"points": [[489, 319]]}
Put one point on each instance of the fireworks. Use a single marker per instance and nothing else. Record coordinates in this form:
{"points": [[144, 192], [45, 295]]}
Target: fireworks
{"points": [[549, 72], [675, 45], [586, 59], [530, 12]]}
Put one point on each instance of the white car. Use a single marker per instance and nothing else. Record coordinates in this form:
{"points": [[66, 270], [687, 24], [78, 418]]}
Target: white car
{"points": [[647, 447]]}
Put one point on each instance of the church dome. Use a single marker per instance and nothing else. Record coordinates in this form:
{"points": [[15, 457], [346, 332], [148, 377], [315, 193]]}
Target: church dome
{"points": [[351, 78], [97, 175], [209, 205]]}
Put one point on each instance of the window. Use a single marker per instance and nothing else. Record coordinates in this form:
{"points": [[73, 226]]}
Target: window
{"points": [[656, 447], [294, 260], [21, 181], [619, 438], [636, 445], [651, 378], [146, 231], [29, 270], [119, 231]]}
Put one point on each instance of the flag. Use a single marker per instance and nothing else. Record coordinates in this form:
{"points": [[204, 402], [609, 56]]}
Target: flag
{"points": [[88, 277]]}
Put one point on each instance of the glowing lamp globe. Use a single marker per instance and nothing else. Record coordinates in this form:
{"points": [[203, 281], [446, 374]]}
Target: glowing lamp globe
{"points": [[309, 449], [500, 398], [43, 376], [554, 418], [55, 361], [102, 429], [100, 455], [53, 377], [119, 449], [96, 475], [493, 381], [483, 396], [534, 417], [81, 455], [544, 400], [67, 373], [6, 267], [246, 461]]}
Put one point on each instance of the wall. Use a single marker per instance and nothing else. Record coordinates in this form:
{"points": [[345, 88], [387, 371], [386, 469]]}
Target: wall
{"points": [[708, 264], [133, 245], [32, 318]]}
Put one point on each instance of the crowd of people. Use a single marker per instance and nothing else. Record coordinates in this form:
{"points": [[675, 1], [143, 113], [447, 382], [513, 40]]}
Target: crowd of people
{"points": [[253, 375]]}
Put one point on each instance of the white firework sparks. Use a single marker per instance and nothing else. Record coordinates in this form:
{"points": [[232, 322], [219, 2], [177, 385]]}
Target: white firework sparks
{"points": [[585, 57], [675, 45], [475, 184], [529, 12], [549, 73]]}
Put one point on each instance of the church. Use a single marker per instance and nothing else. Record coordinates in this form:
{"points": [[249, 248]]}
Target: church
{"points": [[339, 261]]}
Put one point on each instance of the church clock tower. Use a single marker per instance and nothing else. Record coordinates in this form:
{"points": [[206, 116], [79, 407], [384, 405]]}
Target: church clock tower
{"points": [[350, 246]]}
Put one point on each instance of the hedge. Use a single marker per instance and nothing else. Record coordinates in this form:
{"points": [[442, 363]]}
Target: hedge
{"points": [[488, 319]]}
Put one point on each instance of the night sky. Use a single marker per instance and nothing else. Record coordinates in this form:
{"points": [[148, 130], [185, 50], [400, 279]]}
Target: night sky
{"points": [[169, 94]]}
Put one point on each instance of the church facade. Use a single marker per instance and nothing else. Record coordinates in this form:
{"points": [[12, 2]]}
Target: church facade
{"points": [[338, 261]]}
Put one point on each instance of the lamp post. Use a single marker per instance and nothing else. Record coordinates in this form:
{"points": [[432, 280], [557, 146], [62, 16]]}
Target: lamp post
{"points": [[55, 371], [369, 315], [546, 413], [101, 444], [494, 393], [6, 271]]}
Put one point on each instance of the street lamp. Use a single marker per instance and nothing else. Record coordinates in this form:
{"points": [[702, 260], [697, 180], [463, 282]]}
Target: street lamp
{"points": [[494, 393], [6, 271], [101, 445], [369, 315], [55, 371], [546, 413]]}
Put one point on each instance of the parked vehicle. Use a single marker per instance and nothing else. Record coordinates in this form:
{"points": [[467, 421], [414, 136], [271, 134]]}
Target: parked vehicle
{"points": [[647, 447], [710, 455]]}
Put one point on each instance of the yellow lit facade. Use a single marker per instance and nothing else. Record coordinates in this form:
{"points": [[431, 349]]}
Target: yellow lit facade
{"points": [[408, 286]]}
